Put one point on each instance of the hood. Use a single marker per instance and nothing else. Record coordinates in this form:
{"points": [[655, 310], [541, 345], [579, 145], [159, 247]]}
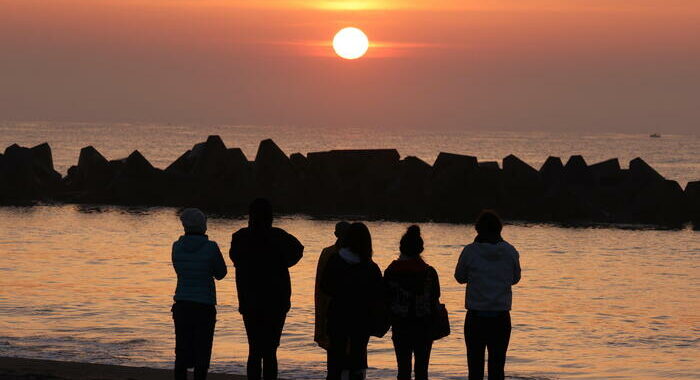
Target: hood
{"points": [[492, 252], [349, 256], [192, 243]]}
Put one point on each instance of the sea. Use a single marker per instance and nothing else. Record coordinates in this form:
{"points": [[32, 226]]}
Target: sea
{"points": [[94, 283]]}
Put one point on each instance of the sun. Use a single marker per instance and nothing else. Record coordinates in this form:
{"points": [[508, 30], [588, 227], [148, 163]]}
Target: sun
{"points": [[350, 43]]}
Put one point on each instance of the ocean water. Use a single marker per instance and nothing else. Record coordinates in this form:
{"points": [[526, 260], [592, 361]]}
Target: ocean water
{"points": [[95, 283]]}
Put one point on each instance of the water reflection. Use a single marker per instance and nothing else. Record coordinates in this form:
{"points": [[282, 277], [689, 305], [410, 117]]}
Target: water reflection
{"points": [[95, 283]]}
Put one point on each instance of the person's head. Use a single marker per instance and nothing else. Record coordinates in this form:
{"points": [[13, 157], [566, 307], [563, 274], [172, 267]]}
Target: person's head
{"points": [[193, 221], [411, 244], [341, 229], [260, 214], [488, 224], [359, 241]]}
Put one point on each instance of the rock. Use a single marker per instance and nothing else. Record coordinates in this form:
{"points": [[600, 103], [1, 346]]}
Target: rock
{"points": [[18, 175], [373, 183], [275, 177], [414, 164], [452, 186], [237, 156], [524, 190], [607, 173], [137, 182], [270, 156], [489, 165], [692, 194], [299, 161], [137, 166], [641, 172], [661, 202], [209, 159], [27, 174], [518, 173], [49, 179], [93, 171], [577, 172], [353, 180], [183, 164], [236, 162], [488, 187], [552, 172], [43, 157], [408, 191], [455, 162]]}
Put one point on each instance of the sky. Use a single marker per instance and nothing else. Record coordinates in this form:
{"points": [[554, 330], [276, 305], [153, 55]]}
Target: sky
{"points": [[560, 65]]}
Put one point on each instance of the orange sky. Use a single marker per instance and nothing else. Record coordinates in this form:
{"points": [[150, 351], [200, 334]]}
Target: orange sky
{"points": [[628, 65]]}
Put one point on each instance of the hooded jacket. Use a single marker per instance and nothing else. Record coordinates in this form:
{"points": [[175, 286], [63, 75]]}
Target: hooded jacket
{"points": [[197, 261], [489, 270], [354, 286]]}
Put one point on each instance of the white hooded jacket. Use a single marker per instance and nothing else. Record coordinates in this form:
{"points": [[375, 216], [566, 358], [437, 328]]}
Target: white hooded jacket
{"points": [[489, 270]]}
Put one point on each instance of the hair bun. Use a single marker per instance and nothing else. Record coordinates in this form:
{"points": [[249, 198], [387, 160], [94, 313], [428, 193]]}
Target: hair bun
{"points": [[413, 230]]}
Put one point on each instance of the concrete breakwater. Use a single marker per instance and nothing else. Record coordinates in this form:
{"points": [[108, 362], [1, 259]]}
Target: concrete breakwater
{"points": [[365, 183]]}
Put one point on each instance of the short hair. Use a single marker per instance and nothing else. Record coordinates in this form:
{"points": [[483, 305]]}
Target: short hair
{"points": [[359, 241], [260, 213], [488, 223], [411, 244], [193, 221]]}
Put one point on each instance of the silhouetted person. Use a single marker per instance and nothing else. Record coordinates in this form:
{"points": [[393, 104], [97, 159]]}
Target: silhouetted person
{"points": [[489, 266], [354, 283], [413, 295], [321, 299], [262, 255], [197, 262]]}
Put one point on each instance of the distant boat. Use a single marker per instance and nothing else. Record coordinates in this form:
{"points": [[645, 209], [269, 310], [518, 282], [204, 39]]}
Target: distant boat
{"points": [[655, 135]]}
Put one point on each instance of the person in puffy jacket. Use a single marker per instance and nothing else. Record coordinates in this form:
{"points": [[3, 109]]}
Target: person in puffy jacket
{"points": [[262, 255], [413, 295], [197, 262], [490, 267]]}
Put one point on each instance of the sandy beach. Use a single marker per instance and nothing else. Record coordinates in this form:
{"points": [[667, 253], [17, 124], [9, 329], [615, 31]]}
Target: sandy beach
{"points": [[32, 369]]}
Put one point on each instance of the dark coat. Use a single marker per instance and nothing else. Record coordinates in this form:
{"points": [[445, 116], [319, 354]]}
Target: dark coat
{"points": [[262, 258], [354, 289], [413, 294]]}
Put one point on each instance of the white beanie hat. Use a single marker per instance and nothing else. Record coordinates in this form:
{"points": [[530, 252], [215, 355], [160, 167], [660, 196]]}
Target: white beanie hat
{"points": [[194, 220]]}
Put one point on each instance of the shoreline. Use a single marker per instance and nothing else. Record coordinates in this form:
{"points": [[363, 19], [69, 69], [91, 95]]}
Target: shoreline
{"points": [[38, 369]]}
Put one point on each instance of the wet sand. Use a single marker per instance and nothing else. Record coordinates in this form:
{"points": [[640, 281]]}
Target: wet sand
{"points": [[32, 369]]}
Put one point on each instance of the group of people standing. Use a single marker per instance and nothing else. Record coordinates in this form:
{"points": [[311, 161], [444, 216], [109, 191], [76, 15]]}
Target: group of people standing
{"points": [[353, 299]]}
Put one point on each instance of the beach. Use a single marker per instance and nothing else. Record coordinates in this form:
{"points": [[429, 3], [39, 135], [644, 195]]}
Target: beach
{"points": [[33, 369]]}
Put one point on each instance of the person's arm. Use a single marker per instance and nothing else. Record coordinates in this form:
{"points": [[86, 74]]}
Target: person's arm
{"points": [[329, 280], [436, 286], [462, 269], [293, 250], [516, 269], [321, 267], [218, 264], [172, 258], [234, 251], [378, 281]]}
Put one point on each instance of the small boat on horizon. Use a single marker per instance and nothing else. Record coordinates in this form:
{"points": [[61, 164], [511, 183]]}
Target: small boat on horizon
{"points": [[655, 135]]}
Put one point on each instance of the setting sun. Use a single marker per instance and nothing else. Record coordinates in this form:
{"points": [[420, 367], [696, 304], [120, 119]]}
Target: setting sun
{"points": [[350, 43]]}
